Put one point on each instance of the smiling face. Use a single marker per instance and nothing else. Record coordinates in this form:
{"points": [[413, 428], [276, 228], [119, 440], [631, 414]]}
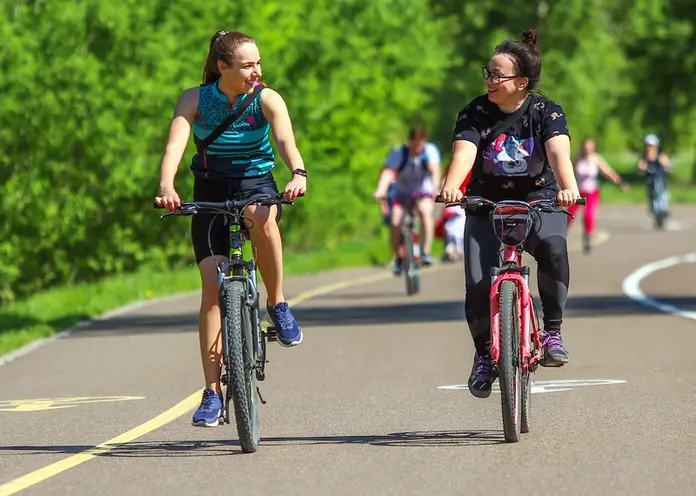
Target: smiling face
{"points": [[503, 83], [244, 71]]}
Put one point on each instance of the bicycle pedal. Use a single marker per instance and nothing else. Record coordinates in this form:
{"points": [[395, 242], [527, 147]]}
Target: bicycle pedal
{"points": [[271, 334]]}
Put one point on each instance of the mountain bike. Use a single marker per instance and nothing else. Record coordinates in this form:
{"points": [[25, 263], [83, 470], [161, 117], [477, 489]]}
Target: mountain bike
{"points": [[243, 340], [515, 345]]}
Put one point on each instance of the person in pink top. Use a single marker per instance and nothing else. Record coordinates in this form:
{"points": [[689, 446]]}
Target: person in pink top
{"points": [[588, 164]]}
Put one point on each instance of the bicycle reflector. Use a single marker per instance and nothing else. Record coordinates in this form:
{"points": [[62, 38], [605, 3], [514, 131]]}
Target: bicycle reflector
{"points": [[512, 223]]}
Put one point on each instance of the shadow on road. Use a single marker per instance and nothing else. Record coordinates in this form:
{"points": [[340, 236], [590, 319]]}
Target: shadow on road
{"points": [[412, 312], [231, 447], [616, 305]]}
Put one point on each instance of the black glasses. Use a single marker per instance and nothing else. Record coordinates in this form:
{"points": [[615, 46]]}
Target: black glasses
{"points": [[493, 77]]}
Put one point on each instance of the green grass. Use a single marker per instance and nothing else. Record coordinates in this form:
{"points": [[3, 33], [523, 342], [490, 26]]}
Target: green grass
{"points": [[678, 181], [51, 311]]}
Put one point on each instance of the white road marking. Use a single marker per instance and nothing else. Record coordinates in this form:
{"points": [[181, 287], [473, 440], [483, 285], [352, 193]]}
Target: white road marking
{"points": [[631, 285], [550, 386]]}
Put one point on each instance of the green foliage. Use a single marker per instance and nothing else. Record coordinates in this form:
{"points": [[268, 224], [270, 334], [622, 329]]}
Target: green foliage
{"points": [[89, 88]]}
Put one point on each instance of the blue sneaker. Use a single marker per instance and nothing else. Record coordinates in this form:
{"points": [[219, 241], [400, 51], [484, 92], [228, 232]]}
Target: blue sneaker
{"points": [[288, 330], [397, 266], [210, 411]]}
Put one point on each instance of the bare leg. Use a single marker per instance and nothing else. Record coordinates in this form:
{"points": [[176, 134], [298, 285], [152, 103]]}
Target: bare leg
{"points": [[267, 242], [425, 208], [210, 322], [396, 218]]}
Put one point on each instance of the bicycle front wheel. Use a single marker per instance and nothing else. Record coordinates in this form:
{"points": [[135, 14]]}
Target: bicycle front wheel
{"points": [[510, 371], [410, 265], [239, 362]]}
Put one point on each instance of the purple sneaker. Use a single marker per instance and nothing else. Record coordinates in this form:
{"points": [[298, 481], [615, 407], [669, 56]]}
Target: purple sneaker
{"points": [[482, 376], [555, 355]]}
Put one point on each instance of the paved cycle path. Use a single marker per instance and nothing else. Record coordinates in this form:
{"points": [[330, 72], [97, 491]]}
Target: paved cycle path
{"points": [[358, 408]]}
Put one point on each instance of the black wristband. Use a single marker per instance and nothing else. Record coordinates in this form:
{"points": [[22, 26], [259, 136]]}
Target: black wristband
{"points": [[300, 172]]}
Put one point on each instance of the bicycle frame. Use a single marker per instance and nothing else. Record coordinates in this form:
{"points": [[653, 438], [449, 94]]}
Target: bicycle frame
{"points": [[239, 269], [513, 271]]}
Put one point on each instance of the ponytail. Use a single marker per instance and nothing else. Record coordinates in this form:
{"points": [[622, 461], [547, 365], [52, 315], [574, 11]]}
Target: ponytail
{"points": [[223, 45]]}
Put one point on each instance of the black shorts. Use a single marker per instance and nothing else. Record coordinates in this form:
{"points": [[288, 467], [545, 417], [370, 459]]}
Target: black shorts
{"points": [[221, 190]]}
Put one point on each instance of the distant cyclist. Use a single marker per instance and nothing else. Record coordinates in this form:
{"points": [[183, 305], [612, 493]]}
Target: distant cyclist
{"points": [[655, 165], [414, 169], [517, 146], [588, 165]]}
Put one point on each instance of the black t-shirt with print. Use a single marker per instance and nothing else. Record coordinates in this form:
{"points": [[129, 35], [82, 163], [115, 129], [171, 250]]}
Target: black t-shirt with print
{"points": [[514, 166]]}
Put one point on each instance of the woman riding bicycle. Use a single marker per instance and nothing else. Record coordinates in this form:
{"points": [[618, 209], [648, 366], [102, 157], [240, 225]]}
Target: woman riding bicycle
{"points": [[236, 165], [517, 146], [588, 165], [414, 169]]}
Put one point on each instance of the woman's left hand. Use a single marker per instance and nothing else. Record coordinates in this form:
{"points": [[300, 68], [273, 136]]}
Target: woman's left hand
{"points": [[567, 197], [295, 188]]}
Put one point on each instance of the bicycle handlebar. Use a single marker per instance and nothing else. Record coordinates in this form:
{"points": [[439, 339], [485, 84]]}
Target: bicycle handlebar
{"points": [[264, 199], [544, 205]]}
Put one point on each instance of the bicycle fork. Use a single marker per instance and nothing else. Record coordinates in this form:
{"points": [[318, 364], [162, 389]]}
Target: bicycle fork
{"points": [[520, 276]]}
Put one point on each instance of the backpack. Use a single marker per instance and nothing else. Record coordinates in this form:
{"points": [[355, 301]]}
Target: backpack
{"points": [[404, 159]]}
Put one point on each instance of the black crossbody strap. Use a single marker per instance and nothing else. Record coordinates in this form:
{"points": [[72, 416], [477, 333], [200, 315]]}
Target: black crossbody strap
{"points": [[503, 125], [231, 118]]}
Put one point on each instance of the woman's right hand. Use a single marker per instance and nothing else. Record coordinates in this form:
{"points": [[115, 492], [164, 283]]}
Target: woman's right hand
{"points": [[450, 195], [168, 198]]}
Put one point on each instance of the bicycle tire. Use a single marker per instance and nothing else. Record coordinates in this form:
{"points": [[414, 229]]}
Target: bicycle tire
{"points": [[526, 389], [239, 361], [410, 266], [509, 369], [526, 402]]}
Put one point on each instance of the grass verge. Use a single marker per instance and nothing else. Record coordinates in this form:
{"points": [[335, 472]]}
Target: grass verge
{"points": [[49, 312]]}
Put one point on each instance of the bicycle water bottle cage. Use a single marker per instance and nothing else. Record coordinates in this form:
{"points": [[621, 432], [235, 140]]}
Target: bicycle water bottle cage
{"points": [[512, 222]]}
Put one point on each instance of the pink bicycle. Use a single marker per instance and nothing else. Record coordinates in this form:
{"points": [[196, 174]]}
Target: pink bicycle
{"points": [[515, 345]]}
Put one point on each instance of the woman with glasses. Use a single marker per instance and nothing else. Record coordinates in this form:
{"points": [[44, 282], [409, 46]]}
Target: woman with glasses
{"points": [[516, 145]]}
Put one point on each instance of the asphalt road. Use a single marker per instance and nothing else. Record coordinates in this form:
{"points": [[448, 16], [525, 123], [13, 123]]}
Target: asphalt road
{"points": [[358, 408]]}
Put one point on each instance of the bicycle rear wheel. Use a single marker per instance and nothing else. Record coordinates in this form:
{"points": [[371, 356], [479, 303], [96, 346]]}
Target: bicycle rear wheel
{"points": [[510, 371], [239, 362], [410, 265]]}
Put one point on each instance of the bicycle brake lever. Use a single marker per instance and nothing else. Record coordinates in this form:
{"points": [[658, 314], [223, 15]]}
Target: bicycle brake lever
{"points": [[565, 211], [168, 214]]}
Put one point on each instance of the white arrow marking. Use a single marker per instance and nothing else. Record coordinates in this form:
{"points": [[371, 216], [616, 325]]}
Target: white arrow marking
{"points": [[550, 386]]}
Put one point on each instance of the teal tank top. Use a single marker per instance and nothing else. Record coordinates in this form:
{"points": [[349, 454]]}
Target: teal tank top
{"points": [[243, 150]]}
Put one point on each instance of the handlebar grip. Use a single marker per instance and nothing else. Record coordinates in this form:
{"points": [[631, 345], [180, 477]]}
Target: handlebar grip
{"points": [[155, 205], [580, 201], [438, 199]]}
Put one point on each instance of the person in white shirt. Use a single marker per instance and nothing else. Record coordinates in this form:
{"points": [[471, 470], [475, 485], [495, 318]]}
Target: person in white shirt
{"points": [[414, 168]]}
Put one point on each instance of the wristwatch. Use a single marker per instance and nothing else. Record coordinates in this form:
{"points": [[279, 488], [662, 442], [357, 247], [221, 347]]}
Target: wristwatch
{"points": [[300, 172]]}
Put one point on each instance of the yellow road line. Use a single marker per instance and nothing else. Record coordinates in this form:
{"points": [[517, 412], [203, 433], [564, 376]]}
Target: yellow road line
{"points": [[601, 237], [191, 402], [181, 408], [44, 473], [329, 288]]}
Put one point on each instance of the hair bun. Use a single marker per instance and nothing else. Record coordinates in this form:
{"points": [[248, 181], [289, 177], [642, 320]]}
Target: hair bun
{"points": [[530, 37]]}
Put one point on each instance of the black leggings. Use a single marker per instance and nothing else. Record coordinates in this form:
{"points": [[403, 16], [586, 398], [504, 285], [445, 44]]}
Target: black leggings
{"points": [[546, 243]]}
